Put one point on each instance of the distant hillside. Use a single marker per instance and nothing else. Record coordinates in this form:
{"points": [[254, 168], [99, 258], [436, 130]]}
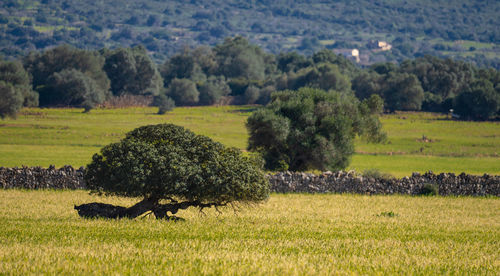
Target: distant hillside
{"points": [[468, 29]]}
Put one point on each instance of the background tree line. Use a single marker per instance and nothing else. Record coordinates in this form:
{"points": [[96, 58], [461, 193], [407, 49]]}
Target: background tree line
{"points": [[238, 72], [462, 28]]}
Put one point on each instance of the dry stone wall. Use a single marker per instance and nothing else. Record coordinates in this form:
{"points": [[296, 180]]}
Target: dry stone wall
{"points": [[349, 182], [285, 182], [40, 178]]}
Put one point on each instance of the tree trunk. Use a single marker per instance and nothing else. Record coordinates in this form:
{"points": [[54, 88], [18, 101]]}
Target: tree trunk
{"points": [[103, 210]]}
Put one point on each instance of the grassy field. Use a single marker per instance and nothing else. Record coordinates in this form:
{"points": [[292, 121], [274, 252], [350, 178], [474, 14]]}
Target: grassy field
{"points": [[417, 141], [292, 234]]}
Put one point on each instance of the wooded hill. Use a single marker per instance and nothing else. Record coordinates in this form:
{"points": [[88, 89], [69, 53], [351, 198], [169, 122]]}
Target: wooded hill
{"points": [[459, 28]]}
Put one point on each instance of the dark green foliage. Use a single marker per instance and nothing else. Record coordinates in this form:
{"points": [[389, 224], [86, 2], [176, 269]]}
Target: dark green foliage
{"points": [[183, 91], [84, 69], [169, 162], [375, 104], [367, 83], [389, 214], [324, 76], [11, 100], [402, 92], [310, 129], [430, 189], [43, 65], [71, 88], [277, 26], [251, 95], [12, 72], [237, 58], [164, 103], [213, 89], [480, 102], [433, 103], [180, 66], [291, 62], [326, 56], [442, 77], [132, 71]]}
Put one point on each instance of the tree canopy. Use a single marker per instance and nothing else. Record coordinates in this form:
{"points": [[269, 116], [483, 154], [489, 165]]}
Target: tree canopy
{"points": [[132, 71], [47, 69], [12, 100], [168, 162], [312, 129]]}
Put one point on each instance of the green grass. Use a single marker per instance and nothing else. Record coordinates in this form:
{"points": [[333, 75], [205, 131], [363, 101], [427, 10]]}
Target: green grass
{"points": [[68, 136], [41, 137], [289, 234]]}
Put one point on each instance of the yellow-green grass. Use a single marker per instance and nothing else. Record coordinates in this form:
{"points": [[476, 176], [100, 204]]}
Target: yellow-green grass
{"points": [[41, 137], [327, 42], [293, 234], [48, 29], [467, 44]]}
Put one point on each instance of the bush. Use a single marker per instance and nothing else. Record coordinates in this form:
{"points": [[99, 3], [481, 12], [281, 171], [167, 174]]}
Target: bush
{"points": [[251, 95], [183, 91], [430, 189], [377, 174], [212, 90], [164, 104]]}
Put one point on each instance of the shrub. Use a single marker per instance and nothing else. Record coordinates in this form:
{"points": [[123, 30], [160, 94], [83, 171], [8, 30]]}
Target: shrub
{"points": [[164, 103], [377, 174], [183, 91], [429, 189]]}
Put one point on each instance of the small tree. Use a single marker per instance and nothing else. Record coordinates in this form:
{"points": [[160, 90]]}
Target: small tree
{"points": [[184, 92], [312, 129], [132, 71], [12, 100], [169, 163], [13, 72], [71, 88], [480, 102], [164, 103]]}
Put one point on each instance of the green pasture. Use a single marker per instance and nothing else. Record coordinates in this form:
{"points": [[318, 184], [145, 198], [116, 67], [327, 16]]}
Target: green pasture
{"points": [[294, 234], [416, 141]]}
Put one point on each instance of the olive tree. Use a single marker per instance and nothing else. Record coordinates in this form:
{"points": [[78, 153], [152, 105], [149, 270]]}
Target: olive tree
{"points": [[12, 100], [312, 129], [171, 168]]}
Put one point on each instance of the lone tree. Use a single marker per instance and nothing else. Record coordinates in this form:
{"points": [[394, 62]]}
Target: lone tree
{"points": [[312, 129], [171, 168]]}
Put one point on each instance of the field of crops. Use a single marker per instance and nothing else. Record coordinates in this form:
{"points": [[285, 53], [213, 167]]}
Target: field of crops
{"points": [[289, 234], [417, 141]]}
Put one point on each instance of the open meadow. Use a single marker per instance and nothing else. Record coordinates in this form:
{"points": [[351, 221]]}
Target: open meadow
{"points": [[292, 234], [417, 141]]}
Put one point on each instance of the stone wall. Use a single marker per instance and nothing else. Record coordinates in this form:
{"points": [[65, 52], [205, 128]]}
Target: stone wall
{"points": [[40, 178], [348, 182], [284, 182]]}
